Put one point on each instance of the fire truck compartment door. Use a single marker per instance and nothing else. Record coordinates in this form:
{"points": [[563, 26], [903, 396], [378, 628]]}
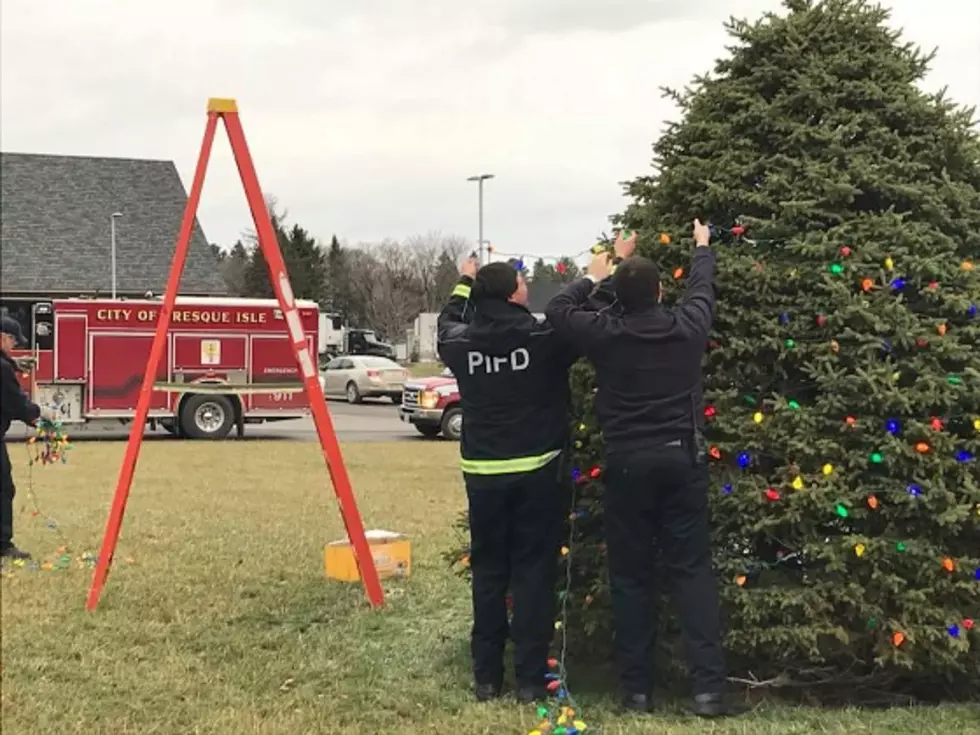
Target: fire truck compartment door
{"points": [[64, 398]]}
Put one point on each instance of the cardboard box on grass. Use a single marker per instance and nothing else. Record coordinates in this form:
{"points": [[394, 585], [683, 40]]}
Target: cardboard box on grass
{"points": [[392, 554]]}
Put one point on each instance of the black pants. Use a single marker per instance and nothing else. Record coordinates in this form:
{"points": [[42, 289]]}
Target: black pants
{"points": [[7, 492], [515, 529], [660, 498]]}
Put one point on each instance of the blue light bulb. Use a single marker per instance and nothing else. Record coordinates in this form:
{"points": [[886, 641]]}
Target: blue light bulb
{"points": [[744, 459], [893, 427], [915, 491], [898, 284]]}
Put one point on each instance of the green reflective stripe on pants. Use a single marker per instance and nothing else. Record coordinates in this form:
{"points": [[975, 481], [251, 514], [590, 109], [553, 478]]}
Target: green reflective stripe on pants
{"points": [[462, 290], [507, 466]]}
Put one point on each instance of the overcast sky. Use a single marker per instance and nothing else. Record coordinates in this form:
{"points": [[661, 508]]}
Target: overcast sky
{"points": [[365, 117]]}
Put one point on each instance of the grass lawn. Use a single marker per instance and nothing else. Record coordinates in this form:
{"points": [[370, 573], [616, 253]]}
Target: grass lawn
{"points": [[217, 617]]}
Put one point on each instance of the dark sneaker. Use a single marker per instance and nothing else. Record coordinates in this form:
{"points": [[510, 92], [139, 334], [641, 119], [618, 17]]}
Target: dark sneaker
{"points": [[486, 692], [711, 705], [12, 552], [638, 703], [531, 693]]}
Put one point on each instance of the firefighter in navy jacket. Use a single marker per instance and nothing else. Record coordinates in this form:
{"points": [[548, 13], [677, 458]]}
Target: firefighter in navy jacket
{"points": [[648, 373], [14, 406], [512, 372]]}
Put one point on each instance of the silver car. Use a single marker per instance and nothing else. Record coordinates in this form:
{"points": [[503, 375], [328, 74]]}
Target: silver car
{"points": [[363, 376]]}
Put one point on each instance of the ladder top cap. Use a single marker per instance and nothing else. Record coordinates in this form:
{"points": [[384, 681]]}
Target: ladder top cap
{"points": [[220, 104]]}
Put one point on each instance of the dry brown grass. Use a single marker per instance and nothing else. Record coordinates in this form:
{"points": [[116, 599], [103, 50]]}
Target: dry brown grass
{"points": [[217, 617]]}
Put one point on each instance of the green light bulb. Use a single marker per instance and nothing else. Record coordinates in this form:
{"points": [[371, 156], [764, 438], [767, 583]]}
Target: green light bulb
{"points": [[877, 458], [794, 405], [900, 546], [954, 380], [842, 511], [836, 269], [790, 343]]}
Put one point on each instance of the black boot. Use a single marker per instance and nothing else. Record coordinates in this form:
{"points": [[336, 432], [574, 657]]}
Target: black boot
{"points": [[486, 692], [711, 705], [531, 693], [638, 703], [12, 552]]}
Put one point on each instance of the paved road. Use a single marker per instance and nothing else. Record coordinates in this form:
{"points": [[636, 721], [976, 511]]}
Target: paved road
{"points": [[372, 421]]}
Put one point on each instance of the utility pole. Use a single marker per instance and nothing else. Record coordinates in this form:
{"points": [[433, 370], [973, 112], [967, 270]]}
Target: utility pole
{"points": [[479, 179], [112, 245]]}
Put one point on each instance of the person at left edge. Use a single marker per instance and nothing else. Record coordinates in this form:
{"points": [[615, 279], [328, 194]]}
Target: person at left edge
{"points": [[14, 406], [512, 373]]}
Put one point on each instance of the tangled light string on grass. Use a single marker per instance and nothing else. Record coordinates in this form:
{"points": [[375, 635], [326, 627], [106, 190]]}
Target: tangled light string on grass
{"points": [[562, 717], [49, 444]]}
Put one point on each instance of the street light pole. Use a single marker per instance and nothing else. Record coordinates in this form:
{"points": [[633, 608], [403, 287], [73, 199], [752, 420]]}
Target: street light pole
{"points": [[112, 244], [479, 179]]}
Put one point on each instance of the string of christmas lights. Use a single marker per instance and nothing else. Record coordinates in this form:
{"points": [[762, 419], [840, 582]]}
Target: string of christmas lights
{"points": [[562, 718], [49, 444]]}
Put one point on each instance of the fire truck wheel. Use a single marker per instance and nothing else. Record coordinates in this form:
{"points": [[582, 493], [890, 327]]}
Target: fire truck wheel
{"points": [[206, 417], [353, 394], [452, 423]]}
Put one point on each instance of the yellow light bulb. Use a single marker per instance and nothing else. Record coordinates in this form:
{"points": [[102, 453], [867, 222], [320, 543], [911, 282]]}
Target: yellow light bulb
{"points": [[859, 549], [828, 469], [798, 483], [758, 417], [889, 263], [976, 424]]}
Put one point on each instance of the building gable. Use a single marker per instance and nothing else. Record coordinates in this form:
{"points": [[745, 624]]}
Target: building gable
{"points": [[55, 227]]}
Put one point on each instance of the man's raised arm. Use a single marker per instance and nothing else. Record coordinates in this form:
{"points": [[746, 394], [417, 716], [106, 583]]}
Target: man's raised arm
{"points": [[450, 325], [697, 307], [569, 313], [451, 316]]}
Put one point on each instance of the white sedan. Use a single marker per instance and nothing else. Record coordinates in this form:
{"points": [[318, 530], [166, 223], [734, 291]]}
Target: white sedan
{"points": [[363, 376]]}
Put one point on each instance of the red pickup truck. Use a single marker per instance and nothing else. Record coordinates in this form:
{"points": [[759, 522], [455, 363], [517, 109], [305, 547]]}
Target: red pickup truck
{"points": [[431, 405]]}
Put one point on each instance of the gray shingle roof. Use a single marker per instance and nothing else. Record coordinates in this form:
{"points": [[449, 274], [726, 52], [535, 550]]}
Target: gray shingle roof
{"points": [[54, 226]]}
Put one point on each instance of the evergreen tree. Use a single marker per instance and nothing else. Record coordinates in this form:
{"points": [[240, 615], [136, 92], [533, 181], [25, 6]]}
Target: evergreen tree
{"points": [[446, 276], [234, 266], [338, 280], [563, 271], [843, 372], [303, 258]]}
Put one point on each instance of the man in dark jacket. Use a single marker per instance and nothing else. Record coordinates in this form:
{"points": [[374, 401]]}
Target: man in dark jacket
{"points": [[14, 405], [648, 373], [512, 372]]}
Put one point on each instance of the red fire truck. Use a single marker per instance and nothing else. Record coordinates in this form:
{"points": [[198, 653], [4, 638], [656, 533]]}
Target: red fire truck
{"points": [[227, 362]]}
